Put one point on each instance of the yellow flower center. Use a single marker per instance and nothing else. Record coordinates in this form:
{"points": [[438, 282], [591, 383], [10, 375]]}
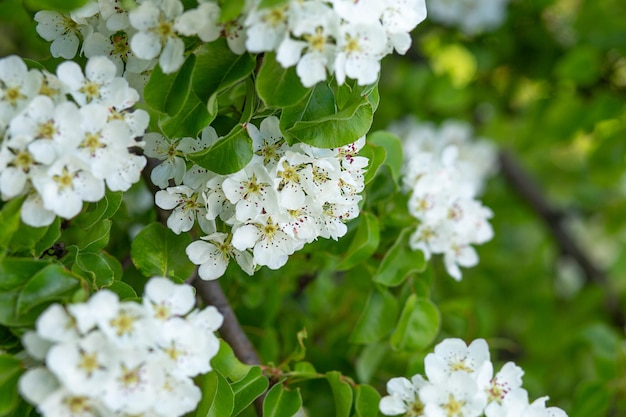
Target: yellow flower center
{"points": [[64, 180]]}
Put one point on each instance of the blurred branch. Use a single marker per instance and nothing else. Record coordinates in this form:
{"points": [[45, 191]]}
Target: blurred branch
{"points": [[528, 189], [211, 292]]}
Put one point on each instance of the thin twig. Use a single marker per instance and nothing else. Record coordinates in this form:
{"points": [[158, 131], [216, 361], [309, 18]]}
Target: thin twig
{"points": [[526, 187]]}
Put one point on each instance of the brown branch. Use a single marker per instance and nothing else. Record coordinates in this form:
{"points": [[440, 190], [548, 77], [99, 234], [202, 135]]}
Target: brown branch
{"points": [[527, 188]]}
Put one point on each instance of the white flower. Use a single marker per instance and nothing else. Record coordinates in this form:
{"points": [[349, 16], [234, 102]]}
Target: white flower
{"points": [[251, 191], [37, 384], [403, 397], [202, 21], [63, 31], [270, 245], [471, 16], [186, 206], [266, 28], [18, 86], [453, 356], [500, 388], [99, 84], [457, 396], [165, 299], [213, 253], [66, 185], [360, 47], [83, 366], [116, 47], [155, 22]]}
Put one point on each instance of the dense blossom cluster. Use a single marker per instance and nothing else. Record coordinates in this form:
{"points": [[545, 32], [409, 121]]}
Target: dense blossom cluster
{"points": [[460, 382], [286, 196], [107, 357], [319, 37], [63, 137], [443, 172], [470, 16]]}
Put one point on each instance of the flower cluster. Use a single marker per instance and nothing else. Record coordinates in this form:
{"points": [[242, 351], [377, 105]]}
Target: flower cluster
{"points": [[63, 137], [461, 383], [340, 37], [443, 172], [285, 197], [108, 357], [470, 16]]}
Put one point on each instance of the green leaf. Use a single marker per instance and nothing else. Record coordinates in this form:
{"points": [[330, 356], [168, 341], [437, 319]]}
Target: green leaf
{"points": [[227, 363], [381, 309], [10, 371], [281, 402], [10, 221], [393, 145], [156, 250], [400, 261], [123, 290], [25, 239], [96, 238], [278, 86], [230, 9], [218, 68], [217, 396], [418, 325], [366, 400], [364, 243], [342, 393], [57, 5], [229, 154], [53, 233], [100, 210], [189, 121], [317, 121], [167, 93], [249, 388], [49, 284], [28, 286], [100, 268], [376, 156], [368, 361], [264, 4], [591, 399]]}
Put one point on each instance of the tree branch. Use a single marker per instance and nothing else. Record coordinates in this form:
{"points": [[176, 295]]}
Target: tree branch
{"points": [[553, 219]]}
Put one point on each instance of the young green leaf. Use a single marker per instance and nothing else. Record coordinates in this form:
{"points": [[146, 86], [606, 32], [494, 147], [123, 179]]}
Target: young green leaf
{"points": [[218, 68], [399, 261], [10, 370], [10, 221], [227, 363], [366, 400], [418, 325], [229, 154], [342, 393], [376, 156], [156, 250], [218, 398], [58, 5], [189, 121], [364, 243], [392, 144], [281, 402], [230, 9], [379, 314], [167, 93], [249, 388], [278, 86]]}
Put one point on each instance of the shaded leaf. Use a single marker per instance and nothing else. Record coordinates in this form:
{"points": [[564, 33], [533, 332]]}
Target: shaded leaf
{"points": [[278, 86], [229, 154], [400, 261], [249, 388], [342, 393], [378, 316], [364, 243], [281, 402], [418, 325]]}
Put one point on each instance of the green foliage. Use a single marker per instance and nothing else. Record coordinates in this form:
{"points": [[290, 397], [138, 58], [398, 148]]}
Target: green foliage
{"points": [[156, 250], [10, 371], [278, 86], [281, 402]]}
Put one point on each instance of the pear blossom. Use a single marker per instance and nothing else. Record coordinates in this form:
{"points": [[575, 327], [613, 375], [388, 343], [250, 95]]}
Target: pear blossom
{"points": [[107, 357], [156, 36], [63, 30], [471, 16], [460, 383]]}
